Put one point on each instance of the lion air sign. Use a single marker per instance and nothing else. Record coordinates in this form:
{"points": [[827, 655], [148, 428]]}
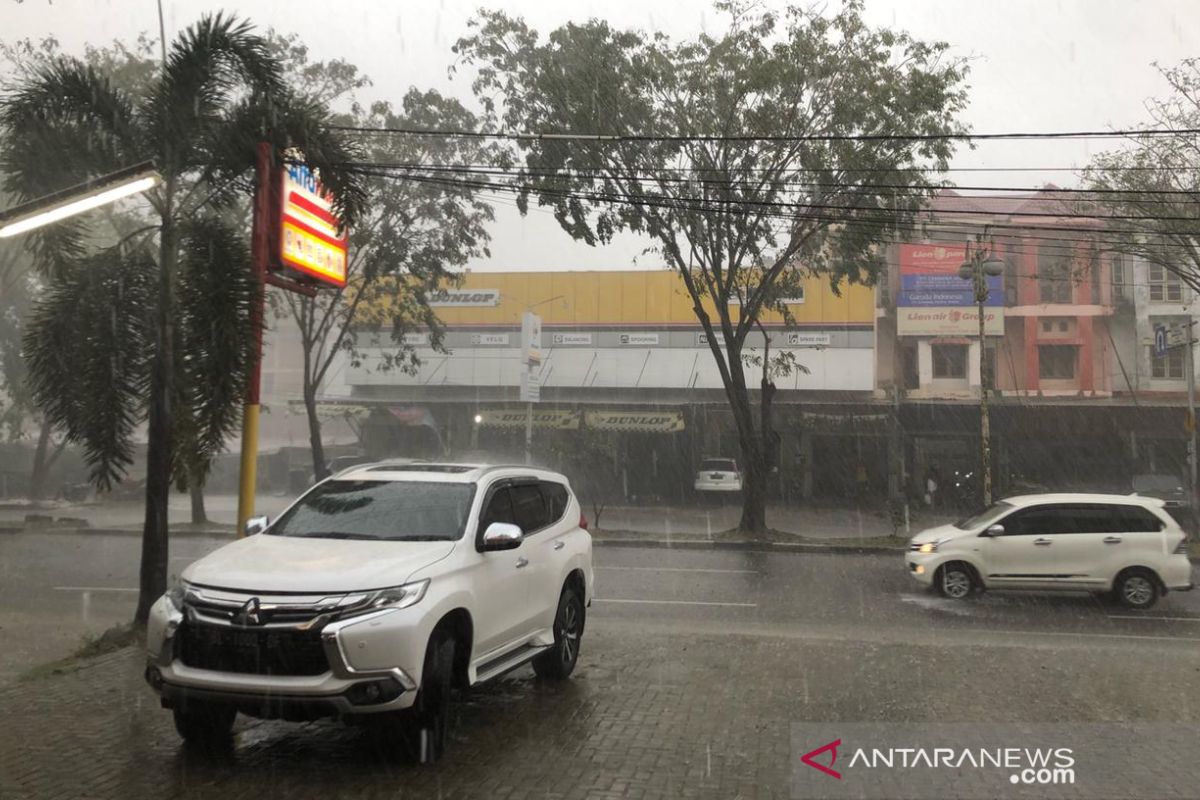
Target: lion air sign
{"points": [[309, 238]]}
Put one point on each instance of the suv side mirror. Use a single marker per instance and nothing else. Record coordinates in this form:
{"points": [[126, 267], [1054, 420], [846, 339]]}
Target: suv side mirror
{"points": [[257, 525], [993, 530], [501, 536]]}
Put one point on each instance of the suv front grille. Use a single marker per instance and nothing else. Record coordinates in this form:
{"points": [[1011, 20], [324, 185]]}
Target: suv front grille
{"points": [[255, 651]]}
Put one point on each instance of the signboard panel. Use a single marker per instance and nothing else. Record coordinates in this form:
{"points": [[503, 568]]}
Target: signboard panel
{"points": [[309, 241], [531, 390], [637, 421], [500, 418], [531, 338], [572, 338], [489, 338], [929, 278], [464, 298], [633, 339], [801, 339], [960, 321], [414, 339]]}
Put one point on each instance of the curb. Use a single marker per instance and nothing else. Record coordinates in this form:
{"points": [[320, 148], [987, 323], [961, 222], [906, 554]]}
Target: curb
{"points": [[750, 546]]}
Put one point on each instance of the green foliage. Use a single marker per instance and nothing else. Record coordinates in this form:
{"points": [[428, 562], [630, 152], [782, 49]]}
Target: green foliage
{"points": [[92, 338], [1157, 180]]}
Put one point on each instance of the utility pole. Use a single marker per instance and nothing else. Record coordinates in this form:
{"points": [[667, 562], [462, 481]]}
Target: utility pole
{"points": [[979, 266], [1191, 394]]}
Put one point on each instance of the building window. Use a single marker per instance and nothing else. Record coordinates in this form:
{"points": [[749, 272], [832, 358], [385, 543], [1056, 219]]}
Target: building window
{"points": [[1119, 283], [949, 361], [1094, 269], [1054, 272], [1063, 326], [1165, 286], [1057, 361], [1169, 366], [1047, 326]]}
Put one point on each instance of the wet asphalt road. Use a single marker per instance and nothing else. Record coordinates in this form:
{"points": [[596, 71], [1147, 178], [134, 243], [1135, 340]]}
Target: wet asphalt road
{"points": [[57, 588]]}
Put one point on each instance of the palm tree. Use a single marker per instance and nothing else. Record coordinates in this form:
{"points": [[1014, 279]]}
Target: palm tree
{"points": [[155, 327]]}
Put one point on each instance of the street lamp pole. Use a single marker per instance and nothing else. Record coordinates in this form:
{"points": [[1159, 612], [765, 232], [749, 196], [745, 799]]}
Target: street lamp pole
{"points": [[980, 265]]}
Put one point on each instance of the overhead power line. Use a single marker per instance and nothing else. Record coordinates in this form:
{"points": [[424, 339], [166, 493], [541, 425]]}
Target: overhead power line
{"points": [[717, 205], [576, 174], [812, 137]]}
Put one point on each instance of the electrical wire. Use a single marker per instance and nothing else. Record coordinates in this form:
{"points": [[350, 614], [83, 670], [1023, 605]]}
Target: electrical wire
{"points": [[822, 137]]}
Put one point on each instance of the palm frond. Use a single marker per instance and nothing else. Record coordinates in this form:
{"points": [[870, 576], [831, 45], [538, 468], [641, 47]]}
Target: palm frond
{"points": [[215, 295], [207, 63], [88, 345]]}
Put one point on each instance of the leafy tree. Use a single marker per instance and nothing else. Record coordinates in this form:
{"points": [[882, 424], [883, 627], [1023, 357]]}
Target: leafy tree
{"points": [[166, 335], [744, 167], [411, 235], [1153, 183]]}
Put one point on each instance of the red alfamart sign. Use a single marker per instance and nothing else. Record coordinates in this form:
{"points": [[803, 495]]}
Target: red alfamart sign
{"points": [[309, 240]]}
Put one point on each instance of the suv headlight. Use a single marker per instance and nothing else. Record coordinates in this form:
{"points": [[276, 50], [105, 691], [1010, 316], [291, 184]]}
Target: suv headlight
{"points": [[399, 596], [176, 592], [927, 547]]}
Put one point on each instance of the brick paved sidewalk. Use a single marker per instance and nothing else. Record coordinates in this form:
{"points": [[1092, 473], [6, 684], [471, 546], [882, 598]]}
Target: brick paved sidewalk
{"points": [[652, 712]]}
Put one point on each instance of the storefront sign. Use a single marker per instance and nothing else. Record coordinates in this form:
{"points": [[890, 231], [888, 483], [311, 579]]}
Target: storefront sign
{"points": [[464, 298], [309, 239], [639, 421], [929, 278], [962, 321], [503, 418], [639, 338], [572, 338], [796, 339], [412, 339], [489, 338]]}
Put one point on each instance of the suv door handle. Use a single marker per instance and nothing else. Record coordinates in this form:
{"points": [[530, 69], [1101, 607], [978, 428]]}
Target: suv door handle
{"points": [[1112, 539], [1043, 542], [522, 562], [559, 545]]}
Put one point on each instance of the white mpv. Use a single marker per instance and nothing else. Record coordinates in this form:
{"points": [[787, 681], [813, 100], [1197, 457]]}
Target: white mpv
{"points": [[1123, 544], [372, 596]]}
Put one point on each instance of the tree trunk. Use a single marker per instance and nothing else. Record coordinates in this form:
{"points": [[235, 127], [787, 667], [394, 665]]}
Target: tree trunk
{"points": [[152, 578], [199, 515], [754, 477], [41, 463], [320, 471]]}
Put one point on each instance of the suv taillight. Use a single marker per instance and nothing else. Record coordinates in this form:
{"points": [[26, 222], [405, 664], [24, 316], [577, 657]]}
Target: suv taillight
{"points": [[582, 521]]}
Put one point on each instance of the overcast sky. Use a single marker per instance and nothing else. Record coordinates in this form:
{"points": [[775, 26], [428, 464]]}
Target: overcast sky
{"points": [[1038, 65]]}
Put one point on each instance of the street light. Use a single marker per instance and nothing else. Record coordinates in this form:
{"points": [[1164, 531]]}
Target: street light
{"points": [[78, 199], [979, 266]]}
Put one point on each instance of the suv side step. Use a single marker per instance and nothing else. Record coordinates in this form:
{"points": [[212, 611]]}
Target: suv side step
{"points": [[508, 661]]}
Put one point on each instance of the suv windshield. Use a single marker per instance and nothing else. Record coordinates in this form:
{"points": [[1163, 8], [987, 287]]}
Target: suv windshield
{"points": [[985, 517], [718, 465], [385, 510]]}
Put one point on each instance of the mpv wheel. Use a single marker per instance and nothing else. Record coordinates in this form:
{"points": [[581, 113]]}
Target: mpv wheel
{"points": [[558, 662], [955, 580], [205, 723], [1136, 588]]}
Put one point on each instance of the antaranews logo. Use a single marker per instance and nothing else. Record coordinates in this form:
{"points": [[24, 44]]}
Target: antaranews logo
{"points": [[868, 762]]}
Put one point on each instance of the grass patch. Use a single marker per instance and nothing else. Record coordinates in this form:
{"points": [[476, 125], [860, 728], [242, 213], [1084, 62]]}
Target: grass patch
{"points": [[115, 638]]}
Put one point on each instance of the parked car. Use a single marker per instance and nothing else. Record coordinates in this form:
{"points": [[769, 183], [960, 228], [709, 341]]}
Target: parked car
{"points": [[372, 596], [1123, 544], [1168, 488], [718, 475]]}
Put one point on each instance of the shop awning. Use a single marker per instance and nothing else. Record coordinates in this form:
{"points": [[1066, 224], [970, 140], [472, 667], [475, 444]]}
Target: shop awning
{"points": [[555, 419]]}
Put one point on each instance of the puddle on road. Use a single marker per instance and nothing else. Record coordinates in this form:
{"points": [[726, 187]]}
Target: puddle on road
{"points": [[931, 603]]}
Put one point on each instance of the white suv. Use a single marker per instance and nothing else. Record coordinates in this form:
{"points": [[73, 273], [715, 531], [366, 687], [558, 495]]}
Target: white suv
{"points": [[718, 475], [372, 596], [1127, 545]]}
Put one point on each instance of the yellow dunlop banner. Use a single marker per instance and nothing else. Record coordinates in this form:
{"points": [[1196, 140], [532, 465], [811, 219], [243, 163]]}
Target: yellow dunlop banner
{"points": [[506, 418], [641, 421]]}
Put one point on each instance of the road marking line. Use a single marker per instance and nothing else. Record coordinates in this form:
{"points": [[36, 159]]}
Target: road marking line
{"points": [[1098, 635], [685, 569], [1137, 616], [675, 602], [92, 589]]}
